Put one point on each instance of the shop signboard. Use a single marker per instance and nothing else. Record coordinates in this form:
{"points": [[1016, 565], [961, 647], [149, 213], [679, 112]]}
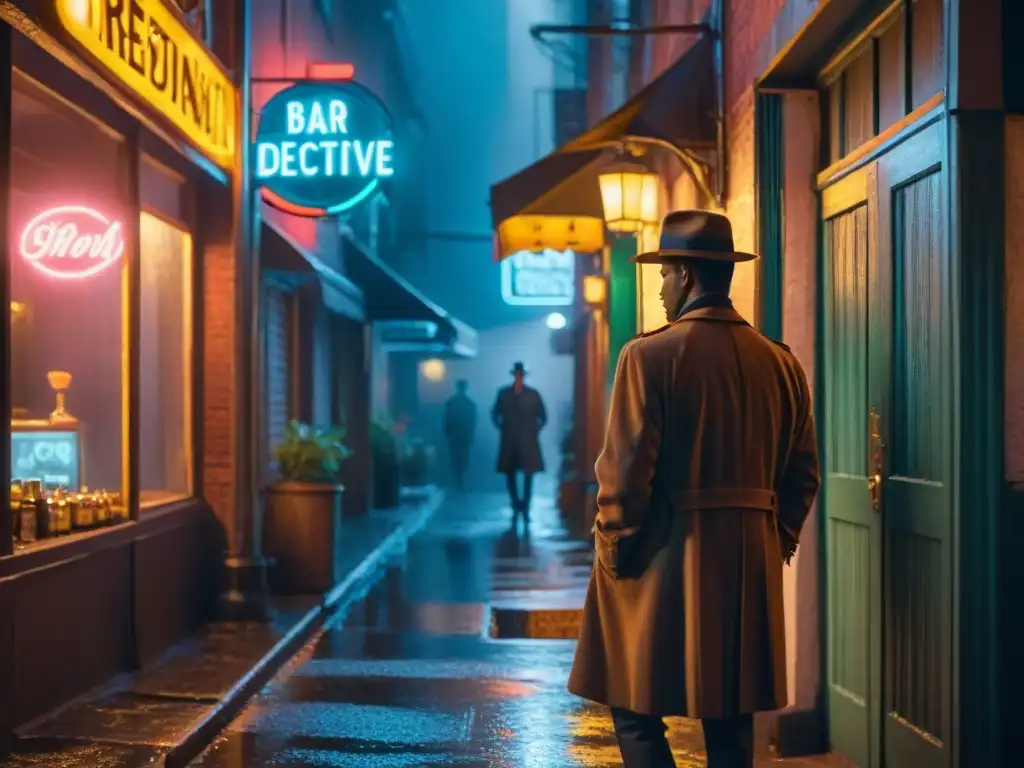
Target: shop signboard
{"points": [[71, 242], [322, 147], [150, 50], [539, 278], [50, 455]]}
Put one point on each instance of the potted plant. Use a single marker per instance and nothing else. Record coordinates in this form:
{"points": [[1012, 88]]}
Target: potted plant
{"points": [[302, 532], [386, 470], [417, 461]]}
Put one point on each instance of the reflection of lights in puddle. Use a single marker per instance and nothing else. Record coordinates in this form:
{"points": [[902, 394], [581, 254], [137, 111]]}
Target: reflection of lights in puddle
{"points": [[591, 725], [508, 689], [449, 618]]}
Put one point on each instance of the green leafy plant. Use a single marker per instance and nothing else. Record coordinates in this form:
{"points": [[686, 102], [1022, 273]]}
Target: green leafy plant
{"points": [[384, 446], [311, 454]]}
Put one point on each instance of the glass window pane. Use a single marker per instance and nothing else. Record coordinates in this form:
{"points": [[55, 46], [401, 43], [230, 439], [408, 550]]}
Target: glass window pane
{"points": [[165, 365], [67, 276]]}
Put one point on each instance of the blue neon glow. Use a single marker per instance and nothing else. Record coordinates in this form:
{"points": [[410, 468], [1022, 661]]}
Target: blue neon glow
{"points": [[353, 201], [324, 145], [539, 279]]}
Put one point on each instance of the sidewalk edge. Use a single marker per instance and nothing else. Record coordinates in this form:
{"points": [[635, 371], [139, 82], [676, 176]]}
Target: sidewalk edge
{"points": [[203, 733]]}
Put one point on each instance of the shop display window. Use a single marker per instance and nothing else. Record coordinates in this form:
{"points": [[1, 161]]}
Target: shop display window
{"points": [[165, 366], [71, 323], [67, 282]]}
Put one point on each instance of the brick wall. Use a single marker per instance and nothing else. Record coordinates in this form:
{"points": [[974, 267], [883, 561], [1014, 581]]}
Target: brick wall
{"points": [[219, 370], [1014, 299], [747, 22]]}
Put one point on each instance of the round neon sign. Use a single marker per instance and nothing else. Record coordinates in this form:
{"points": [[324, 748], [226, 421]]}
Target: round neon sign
{"points": [[72, 242], [322, 148]]}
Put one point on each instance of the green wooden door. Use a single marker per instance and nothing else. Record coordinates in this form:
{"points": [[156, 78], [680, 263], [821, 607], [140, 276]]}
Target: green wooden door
{"points": [[852, 530], [917, 420], [888, 413]]}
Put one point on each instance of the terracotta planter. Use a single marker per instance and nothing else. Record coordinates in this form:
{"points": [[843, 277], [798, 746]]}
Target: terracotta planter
{"points": [[302, 534]]}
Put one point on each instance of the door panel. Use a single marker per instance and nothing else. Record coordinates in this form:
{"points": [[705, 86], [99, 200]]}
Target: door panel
{"points": [[852, 529], [917, 414], [887, 374]]}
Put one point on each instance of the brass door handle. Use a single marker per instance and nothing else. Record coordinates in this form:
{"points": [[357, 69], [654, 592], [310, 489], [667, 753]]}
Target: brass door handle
{"points": [[877, 459], [875, 488]]}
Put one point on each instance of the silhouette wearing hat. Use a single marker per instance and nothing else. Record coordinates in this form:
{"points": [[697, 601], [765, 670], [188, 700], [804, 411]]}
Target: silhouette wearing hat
{"points": [[520, 415], [708, 470], [459, 429]]}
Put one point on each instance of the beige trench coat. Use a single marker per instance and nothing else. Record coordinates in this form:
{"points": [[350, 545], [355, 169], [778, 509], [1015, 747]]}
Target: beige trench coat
{"points": [[709, 460]]}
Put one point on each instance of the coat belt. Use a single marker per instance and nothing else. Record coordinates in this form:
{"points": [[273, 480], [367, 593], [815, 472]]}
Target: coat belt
{"points": [[725, 498]]}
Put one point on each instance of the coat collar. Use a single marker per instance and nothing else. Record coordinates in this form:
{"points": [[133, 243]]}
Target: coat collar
{"points": [[714, 314]]}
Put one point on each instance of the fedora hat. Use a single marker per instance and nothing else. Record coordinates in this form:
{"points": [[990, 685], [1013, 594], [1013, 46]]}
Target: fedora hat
{"points": [[694, 235], [518, 368]]}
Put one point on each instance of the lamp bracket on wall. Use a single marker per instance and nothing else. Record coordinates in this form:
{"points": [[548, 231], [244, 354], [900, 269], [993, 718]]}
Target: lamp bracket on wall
{"points": [[699, 171]]}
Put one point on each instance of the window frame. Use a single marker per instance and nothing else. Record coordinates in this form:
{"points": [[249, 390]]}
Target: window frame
{"points": [[53, 81], [834, 71]]}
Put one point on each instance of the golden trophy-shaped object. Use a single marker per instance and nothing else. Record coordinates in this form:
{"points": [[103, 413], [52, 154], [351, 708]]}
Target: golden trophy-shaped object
{"points": [[60, 381]]}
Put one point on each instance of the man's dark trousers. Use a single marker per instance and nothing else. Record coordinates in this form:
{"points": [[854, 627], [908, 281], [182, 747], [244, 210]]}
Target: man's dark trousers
{"points": [[729, 741]]}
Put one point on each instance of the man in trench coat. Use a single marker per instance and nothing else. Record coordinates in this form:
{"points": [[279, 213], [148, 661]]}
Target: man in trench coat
{"points": [[708, 471], [459, 429], [520, 415]]}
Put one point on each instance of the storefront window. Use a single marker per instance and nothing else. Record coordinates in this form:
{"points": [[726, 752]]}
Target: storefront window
{"points": [[67, 280], [165, 366]]}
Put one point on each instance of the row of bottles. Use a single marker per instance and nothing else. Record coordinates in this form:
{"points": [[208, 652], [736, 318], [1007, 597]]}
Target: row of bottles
{"points": [[40, 514]]}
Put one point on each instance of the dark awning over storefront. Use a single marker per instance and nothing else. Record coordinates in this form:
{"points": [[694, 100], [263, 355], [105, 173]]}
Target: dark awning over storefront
{"points": [[281, 255], [557, 200], [409, 321]]}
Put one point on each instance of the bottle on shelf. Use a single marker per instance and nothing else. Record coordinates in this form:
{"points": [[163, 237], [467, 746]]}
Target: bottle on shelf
{"points": [[103, 516], [62, 511], [35, 514], [83, 511], [15, 507]]}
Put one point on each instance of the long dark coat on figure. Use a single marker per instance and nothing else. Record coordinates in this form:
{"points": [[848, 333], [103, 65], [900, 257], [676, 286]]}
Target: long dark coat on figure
{"points": [[520, 416], [709, 459]]}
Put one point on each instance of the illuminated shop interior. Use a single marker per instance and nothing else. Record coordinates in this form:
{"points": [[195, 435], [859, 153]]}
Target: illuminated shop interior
{"points": [[70, 316]]}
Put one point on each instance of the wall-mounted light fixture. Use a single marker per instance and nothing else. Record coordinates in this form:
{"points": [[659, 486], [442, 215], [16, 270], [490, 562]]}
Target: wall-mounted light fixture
{"points": [[433, 370], [595, 290], [630, 197]]}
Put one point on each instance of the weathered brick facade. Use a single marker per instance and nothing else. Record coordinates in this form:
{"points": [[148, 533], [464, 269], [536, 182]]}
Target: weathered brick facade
{"points": [[219, 370]]}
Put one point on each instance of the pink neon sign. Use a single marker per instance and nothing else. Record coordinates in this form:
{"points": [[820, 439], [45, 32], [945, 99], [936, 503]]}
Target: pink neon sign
{"points": [[72, 242]]}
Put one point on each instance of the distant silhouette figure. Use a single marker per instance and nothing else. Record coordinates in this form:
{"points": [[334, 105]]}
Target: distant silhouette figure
{"points": [[459, 430], [520, 415]]}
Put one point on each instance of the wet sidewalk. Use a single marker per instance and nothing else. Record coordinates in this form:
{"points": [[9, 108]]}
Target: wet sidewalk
{"points": [[178, 705], [445, 663]]}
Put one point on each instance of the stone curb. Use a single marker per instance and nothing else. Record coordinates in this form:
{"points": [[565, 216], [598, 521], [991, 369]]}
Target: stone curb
{"points": [[203, 733]]}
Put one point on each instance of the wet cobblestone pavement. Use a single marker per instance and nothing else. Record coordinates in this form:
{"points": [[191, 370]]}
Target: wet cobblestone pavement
{"points": [[442, 666]]}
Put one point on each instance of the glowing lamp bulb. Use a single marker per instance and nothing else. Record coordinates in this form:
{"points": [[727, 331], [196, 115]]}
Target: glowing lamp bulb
{"points": [[433, 370], [556, 321]]}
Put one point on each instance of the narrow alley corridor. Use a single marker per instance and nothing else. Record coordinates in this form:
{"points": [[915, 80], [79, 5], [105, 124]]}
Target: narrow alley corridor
{"points": [[448, 661]]}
